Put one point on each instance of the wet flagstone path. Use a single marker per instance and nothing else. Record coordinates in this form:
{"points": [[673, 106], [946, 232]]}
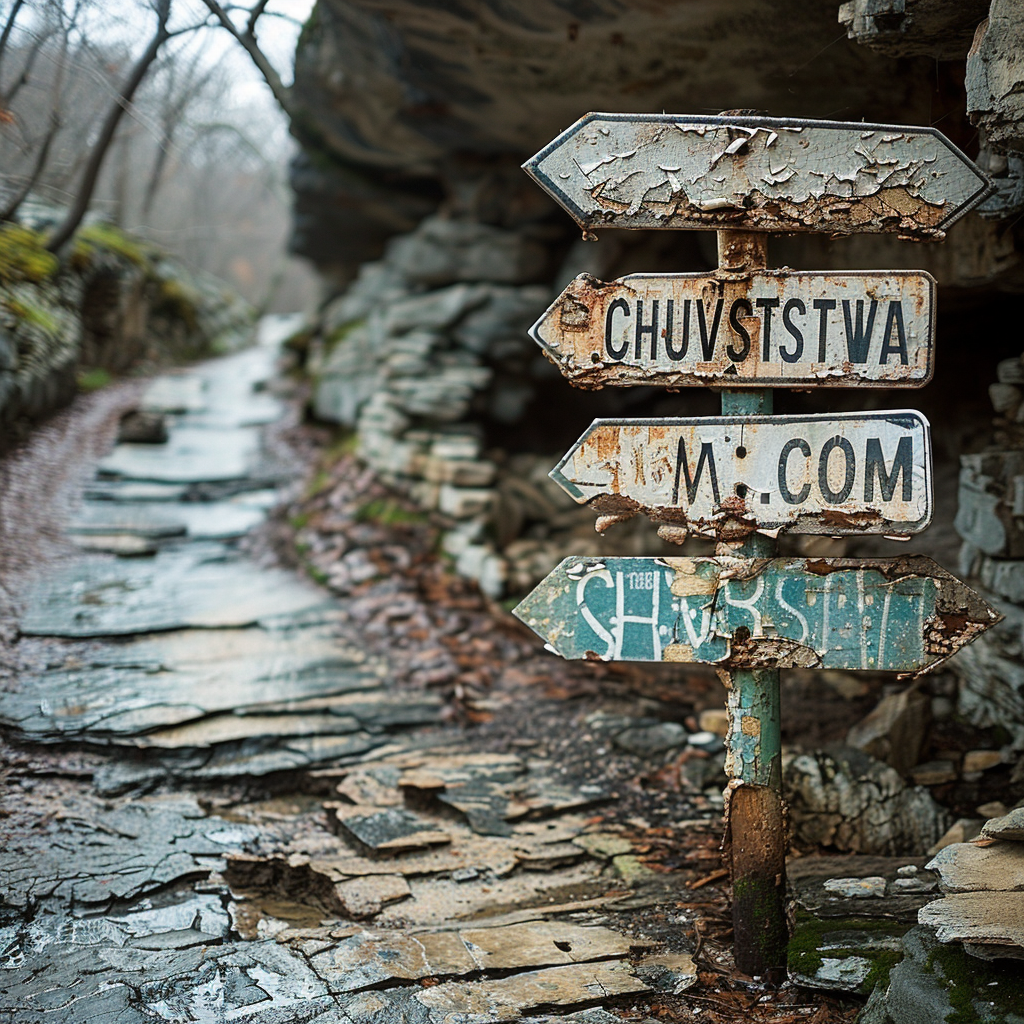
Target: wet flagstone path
{"points": [[403, 878]]}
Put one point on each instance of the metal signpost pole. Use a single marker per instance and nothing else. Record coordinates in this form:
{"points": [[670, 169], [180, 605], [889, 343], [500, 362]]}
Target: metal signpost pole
{"points": [[755, 818]]}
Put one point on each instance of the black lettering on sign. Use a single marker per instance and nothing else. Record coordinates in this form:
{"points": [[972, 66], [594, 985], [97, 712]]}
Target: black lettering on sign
{"points": [[797, 351], [894, 321], [858, 335], [707, 455], [670, 317], [737, 355], [874, 464], [642, 329], [824, 307], [766, 336], [707, 340], [787, 449], [609, 329], [840, 442]]}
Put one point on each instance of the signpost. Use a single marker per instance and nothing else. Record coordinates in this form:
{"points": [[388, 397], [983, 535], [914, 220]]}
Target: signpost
{"points": [[845, 473], [747, 475], [766, 328]]}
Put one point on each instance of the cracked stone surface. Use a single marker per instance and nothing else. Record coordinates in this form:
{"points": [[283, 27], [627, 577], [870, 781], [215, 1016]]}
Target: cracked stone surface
{"points": [[118, 854], [201, 585], [402, 877]]}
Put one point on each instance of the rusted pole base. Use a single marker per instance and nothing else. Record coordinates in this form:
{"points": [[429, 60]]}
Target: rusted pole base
{"points": [[756, 823], [754, 814]]}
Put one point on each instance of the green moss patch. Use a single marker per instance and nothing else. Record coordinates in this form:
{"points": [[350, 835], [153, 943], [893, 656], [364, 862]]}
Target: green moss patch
{"points": [[23, 256], [100, 238], [815, 939], [389, 512], [94, 379], [970, 980]]}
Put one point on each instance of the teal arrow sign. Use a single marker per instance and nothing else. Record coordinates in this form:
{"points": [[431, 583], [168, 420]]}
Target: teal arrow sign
{"points": [[892, 614]]}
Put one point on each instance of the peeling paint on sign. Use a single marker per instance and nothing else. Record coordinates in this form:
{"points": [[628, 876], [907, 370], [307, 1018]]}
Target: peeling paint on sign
{"points": [[885, 614], [760, 328], [758, 174], [725, 477]]}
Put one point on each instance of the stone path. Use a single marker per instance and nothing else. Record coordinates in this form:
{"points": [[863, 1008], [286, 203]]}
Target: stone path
{"points": [[400, 877]]}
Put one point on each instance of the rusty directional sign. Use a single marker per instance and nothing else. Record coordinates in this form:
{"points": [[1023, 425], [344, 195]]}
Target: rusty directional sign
{"points": [[842, 473], [886, 614], [766, 328], [757, 174]]}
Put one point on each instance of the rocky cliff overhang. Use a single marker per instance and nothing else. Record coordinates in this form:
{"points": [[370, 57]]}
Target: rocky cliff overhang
{"points": [[404, 104]]}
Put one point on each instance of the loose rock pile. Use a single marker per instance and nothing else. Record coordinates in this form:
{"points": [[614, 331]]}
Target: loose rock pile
{"points": [[426, 348], [411, 348]]}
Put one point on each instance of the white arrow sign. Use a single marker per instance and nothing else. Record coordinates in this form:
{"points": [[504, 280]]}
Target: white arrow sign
{"points": [[757, 174], [841, 473]]}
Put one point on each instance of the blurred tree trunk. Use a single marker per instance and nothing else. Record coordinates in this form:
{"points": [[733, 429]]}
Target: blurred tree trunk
{"points": [[83, 195]]}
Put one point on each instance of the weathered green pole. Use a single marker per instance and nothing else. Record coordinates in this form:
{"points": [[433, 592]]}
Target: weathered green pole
{"points": [[755, 817]]}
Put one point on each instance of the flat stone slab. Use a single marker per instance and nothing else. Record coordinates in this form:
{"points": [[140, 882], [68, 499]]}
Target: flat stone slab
{"points": [[964, 867], [143, 520], [215, 729], [181, 392], [387, 829], [126, 545], [257, 982], [242, 759], [370, 959], [992, 919], [201, 520], [1009, 827], [133, 491], [192, 455], [200, 914], [164, 680], [119, 854], [505, 998], [201, 585]]}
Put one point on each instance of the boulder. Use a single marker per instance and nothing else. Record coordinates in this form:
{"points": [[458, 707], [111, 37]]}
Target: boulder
{"points": [[939, 983], [846, 799], [895, 730]]}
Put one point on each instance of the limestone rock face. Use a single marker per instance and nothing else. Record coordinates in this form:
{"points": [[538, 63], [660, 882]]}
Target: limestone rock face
{"points": [[995, 76], [901, 28], [850, 801], [403, 105]]}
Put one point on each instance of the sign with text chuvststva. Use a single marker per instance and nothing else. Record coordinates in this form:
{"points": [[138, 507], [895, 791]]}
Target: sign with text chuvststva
{"points": [[768, 328]]}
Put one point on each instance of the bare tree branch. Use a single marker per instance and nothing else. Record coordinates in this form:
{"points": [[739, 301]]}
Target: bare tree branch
{"points": [[32, 180], [62, 234], [172, 114], [248, 41], [26, 71], [254, 16], [5, 35]]}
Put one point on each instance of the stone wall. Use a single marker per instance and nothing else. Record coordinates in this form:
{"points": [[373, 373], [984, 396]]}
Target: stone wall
{"points": [[990, 519]]}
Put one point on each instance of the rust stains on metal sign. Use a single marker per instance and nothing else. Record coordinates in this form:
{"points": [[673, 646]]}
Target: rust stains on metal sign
{"points": [[761, 328], [758, 174], [726, 477], [890, 614]]}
